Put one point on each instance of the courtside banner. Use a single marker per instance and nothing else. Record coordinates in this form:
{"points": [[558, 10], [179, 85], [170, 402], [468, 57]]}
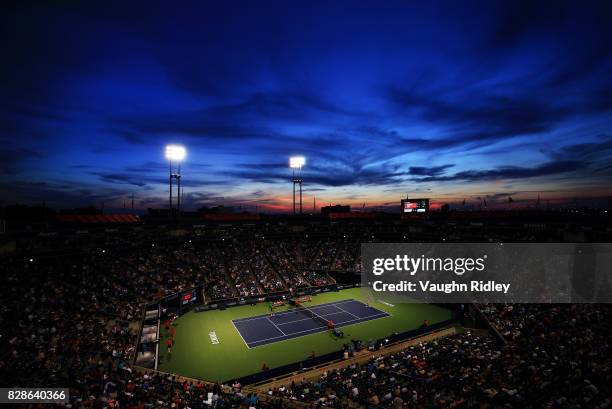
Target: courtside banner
{"points": [[488, 273]]}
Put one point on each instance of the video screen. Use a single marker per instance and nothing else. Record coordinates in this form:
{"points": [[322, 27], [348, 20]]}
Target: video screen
{"points": [[415, 205]]}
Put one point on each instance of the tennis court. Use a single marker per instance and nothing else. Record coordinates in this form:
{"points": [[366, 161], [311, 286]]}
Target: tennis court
{"points": [[195, 355], [266, 329]]}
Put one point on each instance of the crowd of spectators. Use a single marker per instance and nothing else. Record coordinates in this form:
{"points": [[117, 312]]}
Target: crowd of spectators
{"points": [[325, 255], [239, 270], [302, 261], [556, 356], [71, 321], [75, 325], [216, 283], [277, 255], [444, 373], [268, 278], [561, 352], [348, 257], [227, 268]]}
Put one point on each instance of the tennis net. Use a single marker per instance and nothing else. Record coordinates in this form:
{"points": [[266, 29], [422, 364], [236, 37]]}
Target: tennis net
{"points": [[310, 313]]}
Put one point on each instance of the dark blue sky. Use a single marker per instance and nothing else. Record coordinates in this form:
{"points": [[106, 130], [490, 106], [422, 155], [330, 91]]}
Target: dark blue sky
{"points": [[452, 100]]}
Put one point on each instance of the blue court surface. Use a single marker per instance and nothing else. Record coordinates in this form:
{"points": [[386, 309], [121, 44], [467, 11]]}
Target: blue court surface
{"points": [[265, 329]]}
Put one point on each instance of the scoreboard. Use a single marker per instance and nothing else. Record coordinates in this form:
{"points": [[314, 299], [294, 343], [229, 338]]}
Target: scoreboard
{"points": [[415, 205]]}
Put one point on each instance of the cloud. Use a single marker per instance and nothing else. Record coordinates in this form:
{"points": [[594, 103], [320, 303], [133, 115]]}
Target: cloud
{"points": [[508, 172], [59, 195], [117, 178], [11, 159], [247, 119], [246, 91], [602, 146], [432, 171], [292, 105], [148, 167], [333, 174], [478, 119], [147, 180]]}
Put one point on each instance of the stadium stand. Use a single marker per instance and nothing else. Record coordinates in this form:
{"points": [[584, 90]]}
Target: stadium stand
{"points": [[73, 320]]}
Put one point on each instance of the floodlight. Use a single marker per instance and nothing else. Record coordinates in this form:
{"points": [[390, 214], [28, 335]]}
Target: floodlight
{"points": [[297, 162], [175, 152]]}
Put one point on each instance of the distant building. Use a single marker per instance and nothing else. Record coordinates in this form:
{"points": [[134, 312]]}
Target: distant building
{"points": [[157, 213], [23, 213], [216, 210], [326, 210], [81, 211]]}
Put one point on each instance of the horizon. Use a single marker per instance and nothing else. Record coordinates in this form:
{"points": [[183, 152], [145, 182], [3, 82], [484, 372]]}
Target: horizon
{"points": [[482, 103]]}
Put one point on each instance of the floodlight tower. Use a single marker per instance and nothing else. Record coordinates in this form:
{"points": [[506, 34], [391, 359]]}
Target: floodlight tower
{"points": [[296, 163], [175, 153]]}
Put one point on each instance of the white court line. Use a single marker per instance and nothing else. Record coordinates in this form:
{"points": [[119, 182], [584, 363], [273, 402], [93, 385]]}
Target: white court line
{"points": [[342, 309], [272, 322], [294, 310], [310, 319], [368, 318], [364, 319], [239, 333], [304, 319]]}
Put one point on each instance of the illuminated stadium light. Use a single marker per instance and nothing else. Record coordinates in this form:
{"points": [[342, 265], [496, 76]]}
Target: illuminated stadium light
{"points": [[175, 152], [296, 162]]}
